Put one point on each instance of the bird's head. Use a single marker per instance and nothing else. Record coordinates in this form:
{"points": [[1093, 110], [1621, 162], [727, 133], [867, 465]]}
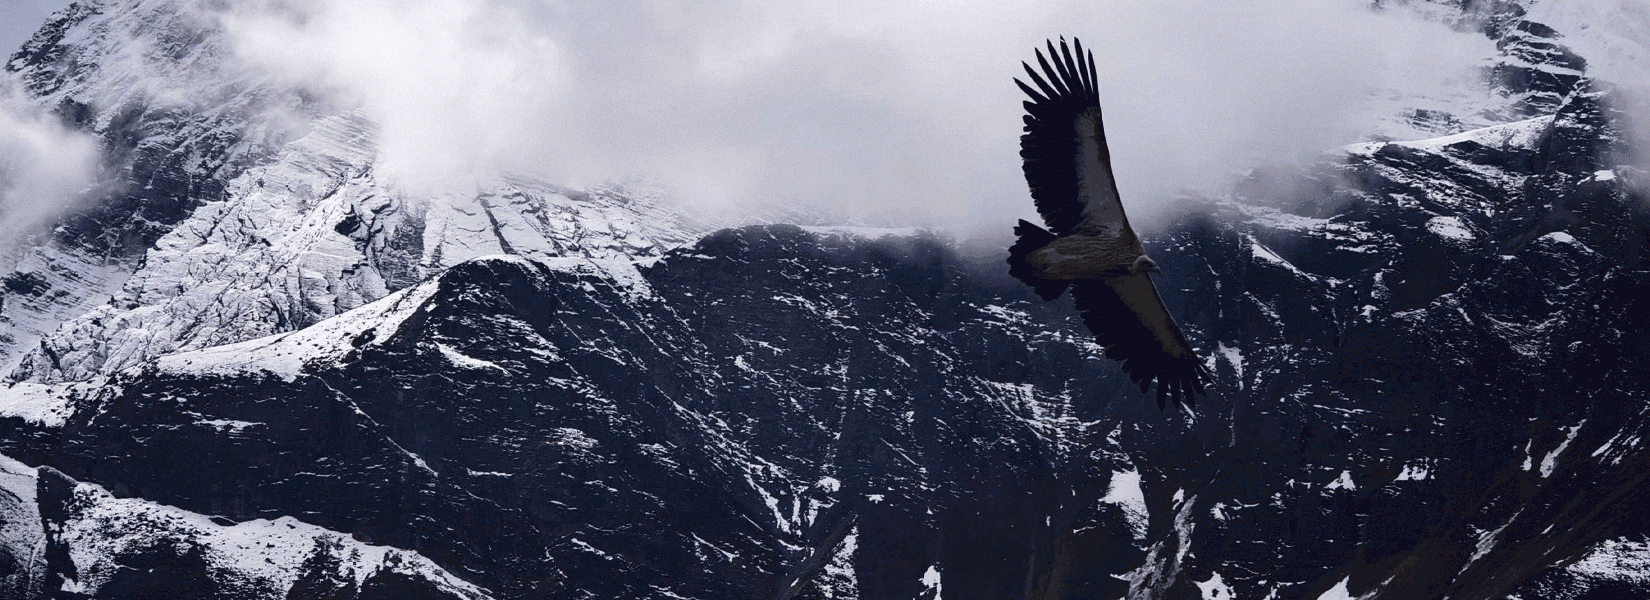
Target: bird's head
{"points": [[1143, 265]]}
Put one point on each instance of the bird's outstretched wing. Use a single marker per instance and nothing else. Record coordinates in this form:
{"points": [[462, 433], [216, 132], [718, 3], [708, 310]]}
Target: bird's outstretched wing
{"points": [[1068, 166], [1066, 160], [1128, 318]]}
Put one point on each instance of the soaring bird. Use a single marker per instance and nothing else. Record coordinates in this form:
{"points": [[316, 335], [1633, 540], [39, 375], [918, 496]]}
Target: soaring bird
{"points": [[1089, 246]]}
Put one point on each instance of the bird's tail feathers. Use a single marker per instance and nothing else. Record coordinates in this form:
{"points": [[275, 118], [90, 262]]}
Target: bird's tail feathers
{"points": [[1030, 238]]}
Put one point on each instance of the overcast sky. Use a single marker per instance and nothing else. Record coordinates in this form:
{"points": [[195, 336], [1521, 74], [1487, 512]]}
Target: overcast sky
{"points": [[866, 106], [19, 19]]}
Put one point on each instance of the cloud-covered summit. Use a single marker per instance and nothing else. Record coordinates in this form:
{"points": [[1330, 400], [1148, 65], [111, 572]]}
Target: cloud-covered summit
{"points": [[902, 110]]}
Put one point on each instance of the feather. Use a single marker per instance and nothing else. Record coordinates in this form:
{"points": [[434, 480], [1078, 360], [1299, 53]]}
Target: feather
{"points": [[1035, 97], [1072, 74], [1085, 70], [1058, 82], [1048, 91], [1094, 79]]}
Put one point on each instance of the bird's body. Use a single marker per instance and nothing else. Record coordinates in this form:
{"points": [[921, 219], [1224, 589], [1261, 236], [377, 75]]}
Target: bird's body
{"points": [[1087, 257], [1089, 247]]}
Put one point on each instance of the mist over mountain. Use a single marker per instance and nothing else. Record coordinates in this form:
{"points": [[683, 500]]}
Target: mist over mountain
{"points": [[357, 300]]}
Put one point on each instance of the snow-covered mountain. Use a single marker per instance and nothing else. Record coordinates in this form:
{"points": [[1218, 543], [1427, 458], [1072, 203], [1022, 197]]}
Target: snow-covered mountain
{"points": [[231, 207], [244, 365], [312, 234]]}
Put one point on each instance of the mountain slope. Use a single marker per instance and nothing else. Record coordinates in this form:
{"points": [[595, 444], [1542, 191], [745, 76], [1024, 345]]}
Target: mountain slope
{"points": [[1429, 380], [85, 544], [721, 424]]}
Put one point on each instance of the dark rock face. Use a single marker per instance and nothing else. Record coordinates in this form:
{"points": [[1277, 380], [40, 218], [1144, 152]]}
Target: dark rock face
{"points": [[717, 431]]}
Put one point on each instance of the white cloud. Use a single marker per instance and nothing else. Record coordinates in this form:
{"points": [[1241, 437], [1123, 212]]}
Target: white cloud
{"points": [[867, 106], [458, 87], [43, 167]]}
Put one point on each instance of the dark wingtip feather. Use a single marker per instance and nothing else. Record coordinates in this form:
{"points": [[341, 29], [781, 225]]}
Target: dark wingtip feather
{"points": [[1075, 77], [1060, 68], [1053, 75], [1094, 79], [1035, 97], [1083, 68], [1048, 90]]}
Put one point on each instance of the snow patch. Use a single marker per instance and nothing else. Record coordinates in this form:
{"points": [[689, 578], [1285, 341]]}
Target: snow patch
{"points": [[1618, 559], [837, 580], [585, 546], [229, 426], [866, 233], [1124, 492], [1450, 228], [48, 405], [1550, 462], [285, 355], [1525, 134], [1486, 541], [622, 274], [1265, 254], [1234, 356], [1415, 471], [1339, 592], [931, 583], [1344, 482], [1559, 237], [1214, 588], [464, 361]]}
